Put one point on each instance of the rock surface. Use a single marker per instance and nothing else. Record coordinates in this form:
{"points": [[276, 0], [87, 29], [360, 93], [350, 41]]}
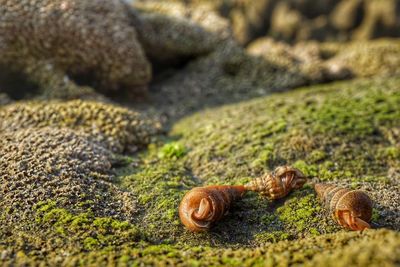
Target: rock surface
{"points": [[88, 182], [60, 45], [323, 130]]}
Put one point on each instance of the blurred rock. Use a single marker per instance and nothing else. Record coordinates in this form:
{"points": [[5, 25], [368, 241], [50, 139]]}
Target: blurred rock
{"points": [[59, 46], [322, 62], [172, 32], [52, 40], [4, 99], [293, 20]]}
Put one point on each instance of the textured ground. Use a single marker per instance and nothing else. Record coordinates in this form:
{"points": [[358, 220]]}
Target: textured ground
{"points": [[103, 207], [90, 182]]}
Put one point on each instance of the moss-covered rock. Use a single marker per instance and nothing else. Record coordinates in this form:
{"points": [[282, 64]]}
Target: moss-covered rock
{"points": [[102, 213], [89, 221], [50, 163], [75, 190], [371, 248], [327, 131]]}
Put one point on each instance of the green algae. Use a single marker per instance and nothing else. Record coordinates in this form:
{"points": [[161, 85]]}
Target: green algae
{"points": [[173, 150], [163, 179], [232, 145], [327, 130], [360, 249], [300, 211], [85, 229]]}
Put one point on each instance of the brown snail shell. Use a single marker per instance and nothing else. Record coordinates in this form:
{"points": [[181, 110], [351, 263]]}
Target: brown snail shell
{"points": [[202, 206], [351, 209], [278, 183]]}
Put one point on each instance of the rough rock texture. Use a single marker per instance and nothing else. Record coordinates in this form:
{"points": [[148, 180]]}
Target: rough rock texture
{"points": [[59, 45], [56, 174], [46, 38], [116, 128], [41, 164]]}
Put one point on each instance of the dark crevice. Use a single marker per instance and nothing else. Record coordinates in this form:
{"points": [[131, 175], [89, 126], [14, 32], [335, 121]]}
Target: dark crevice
{"points": [[16, 85]]}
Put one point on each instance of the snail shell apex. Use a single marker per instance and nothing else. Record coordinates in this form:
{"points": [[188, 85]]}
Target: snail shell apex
{"points": [[202, 206]]}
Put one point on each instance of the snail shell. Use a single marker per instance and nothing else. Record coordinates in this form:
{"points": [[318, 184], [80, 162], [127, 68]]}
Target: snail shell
{"points": [[351, 209], [202, 206], [278, 183]]}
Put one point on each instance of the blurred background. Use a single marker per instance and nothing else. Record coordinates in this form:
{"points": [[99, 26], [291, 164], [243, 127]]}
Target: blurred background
{"points": [[298, 20], [221, 51]]}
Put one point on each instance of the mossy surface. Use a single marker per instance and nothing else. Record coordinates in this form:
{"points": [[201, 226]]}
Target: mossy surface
{"points": [[326, 131], [332, 131], [352, 248], [75, 190]]}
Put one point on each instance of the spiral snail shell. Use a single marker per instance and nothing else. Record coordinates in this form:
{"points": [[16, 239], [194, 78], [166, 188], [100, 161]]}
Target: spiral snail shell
{"points": [[278, 183], [202, 206], [351, 209]]}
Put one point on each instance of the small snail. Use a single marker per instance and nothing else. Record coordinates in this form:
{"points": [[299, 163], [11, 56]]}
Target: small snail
{"points": [[352, 209], [278, 183], [202, 206]]}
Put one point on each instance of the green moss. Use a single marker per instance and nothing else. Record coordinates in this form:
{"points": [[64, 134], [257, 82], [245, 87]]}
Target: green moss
{"points": [[300, 213], [272, 237], [160, 184], [349, 248], [391, 153], [375, 215], [326, 130], [172, 150], [234, 144], [308, 128], [308, 170], [264, 159], [84, 229], [316, 156]]}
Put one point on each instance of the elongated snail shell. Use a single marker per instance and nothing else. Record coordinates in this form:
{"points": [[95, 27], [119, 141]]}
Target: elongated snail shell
{"points": [[279, 183], [351, 209], [202, 206]]}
